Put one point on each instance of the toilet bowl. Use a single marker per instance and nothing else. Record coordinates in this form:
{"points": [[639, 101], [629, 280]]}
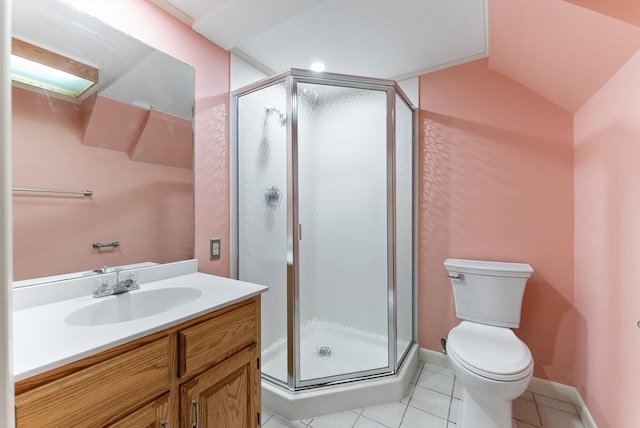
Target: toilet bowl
{"points": [[491, 363], [494, 367]]}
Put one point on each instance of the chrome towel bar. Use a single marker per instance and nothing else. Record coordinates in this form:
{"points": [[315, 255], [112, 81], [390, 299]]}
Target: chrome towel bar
{"points": [[71, 192], [113, 244]]}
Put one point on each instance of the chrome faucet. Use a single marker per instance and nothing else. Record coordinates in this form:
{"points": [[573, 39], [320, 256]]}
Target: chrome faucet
{"points": [[130, 282]]}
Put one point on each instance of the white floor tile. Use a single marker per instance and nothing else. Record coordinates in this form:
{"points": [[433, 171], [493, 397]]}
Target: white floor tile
{"points": [[526, 411], [335, 420], [434, 402], [556, 404], [438, 369], [453, 410], [430, 401], [457, 390], [277, 422], [415, 418], [364, 422], [554, 418], [436, 381], [389, 414], [527, 395], [520, 424]]}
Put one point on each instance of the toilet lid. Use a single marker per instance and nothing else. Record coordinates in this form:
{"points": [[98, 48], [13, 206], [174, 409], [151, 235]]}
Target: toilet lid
{"points": [[492, 352]]}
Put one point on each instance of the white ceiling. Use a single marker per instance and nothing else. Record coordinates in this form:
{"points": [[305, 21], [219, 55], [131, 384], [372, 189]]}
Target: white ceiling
{"points": [[376, 38]]}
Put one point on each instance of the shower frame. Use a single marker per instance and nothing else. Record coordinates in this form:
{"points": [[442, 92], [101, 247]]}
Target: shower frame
{"points": [[291, 78]]}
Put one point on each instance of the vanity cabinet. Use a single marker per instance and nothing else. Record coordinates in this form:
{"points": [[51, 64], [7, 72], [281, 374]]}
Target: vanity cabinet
{"points": [[222, 397], [205, 370]]}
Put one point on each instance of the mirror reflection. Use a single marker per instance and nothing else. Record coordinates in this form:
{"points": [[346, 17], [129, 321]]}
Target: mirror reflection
{"points": [[128, 140]]}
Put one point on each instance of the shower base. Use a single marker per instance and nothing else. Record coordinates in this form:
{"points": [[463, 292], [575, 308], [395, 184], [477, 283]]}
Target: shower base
{"points": [[328, 349]]}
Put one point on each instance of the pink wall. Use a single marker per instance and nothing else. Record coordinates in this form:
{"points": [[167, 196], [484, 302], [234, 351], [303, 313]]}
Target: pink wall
{"points": [[496, 183], [624, 10], [211, 63], [147, 207], [607, 249], [561, 51]]}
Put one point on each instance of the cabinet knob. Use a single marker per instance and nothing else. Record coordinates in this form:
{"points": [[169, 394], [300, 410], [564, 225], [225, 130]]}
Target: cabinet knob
{"points": [[164, 424]]}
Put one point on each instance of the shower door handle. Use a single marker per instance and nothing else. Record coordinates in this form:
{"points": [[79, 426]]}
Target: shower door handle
{"points": [[299, 232]]}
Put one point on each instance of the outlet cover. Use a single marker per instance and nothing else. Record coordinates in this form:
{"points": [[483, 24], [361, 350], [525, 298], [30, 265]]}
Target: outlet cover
{"points": [[214, 248]]}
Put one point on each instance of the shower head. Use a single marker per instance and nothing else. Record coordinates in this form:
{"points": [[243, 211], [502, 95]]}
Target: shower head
{"points": [[269, 110]]}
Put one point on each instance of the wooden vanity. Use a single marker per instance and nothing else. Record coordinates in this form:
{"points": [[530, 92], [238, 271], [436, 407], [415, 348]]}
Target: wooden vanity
{"points": [[201, 373]]}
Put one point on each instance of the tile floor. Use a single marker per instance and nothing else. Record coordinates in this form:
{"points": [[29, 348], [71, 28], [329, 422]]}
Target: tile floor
{"points": [[433, 403]]}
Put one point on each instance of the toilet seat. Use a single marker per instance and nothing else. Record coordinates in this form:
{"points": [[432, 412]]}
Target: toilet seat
{"points": [[492, 352]]}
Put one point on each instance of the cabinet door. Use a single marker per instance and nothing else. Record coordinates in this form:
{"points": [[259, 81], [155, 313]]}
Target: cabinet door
{"points": [[98, 394], [224, 396], [153, 415]]}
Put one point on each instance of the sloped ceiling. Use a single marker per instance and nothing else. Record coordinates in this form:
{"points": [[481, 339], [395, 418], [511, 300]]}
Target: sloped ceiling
{"points": [[375, 38], [564, 50], [561, 50]]}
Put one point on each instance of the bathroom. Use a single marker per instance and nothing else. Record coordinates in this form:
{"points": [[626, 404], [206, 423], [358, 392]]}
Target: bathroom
{"points": [[516, 163]]}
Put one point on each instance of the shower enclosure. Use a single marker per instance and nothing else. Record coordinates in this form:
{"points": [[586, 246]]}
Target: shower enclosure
{"points": [[324, 210]]}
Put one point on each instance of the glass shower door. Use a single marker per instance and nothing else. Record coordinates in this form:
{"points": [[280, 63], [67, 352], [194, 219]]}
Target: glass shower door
{"points": [[404, 227], [343, 290], [262, 215]]}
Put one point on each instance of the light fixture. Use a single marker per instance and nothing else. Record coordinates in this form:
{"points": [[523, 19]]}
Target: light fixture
{"points": [[317, 66], [37, 67]]}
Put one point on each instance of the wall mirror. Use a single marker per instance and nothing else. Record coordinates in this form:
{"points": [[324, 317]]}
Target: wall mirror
{"points": [[128, 140]]}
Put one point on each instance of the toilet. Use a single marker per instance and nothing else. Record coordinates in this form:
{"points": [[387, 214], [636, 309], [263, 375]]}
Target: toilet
{"points": [[490, 362]]}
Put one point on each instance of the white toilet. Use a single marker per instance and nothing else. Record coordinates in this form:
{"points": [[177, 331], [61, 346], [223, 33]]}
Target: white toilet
{"points": [[493, 366]]}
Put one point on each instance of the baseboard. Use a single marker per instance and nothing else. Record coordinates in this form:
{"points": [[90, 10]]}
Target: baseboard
{"points": [[544, 387], [438, 358]]}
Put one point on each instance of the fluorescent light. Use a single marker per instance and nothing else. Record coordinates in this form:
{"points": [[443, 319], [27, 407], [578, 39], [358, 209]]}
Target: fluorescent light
{"points": [[317, 66], [42, 76], [38, 67]]}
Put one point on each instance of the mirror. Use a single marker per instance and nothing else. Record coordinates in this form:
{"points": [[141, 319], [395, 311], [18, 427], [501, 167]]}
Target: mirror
{"points": [[129, 140]]}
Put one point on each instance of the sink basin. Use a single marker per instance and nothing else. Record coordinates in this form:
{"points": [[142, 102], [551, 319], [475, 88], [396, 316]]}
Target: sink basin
{"points": [[132, 306]]}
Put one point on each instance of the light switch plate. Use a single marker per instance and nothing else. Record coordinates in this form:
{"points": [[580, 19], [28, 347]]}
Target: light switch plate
{"points": [[214, 248]]}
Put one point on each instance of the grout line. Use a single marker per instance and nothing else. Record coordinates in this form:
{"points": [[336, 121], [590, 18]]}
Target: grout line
{"points": [[451, 402], [535, 403], [426, 411], [555, 408]]}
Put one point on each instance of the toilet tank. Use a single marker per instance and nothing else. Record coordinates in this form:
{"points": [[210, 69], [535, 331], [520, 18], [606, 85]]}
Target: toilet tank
{"points": [[488, 292]]}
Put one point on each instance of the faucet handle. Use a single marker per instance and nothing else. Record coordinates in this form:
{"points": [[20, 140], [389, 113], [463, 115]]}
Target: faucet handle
{"points": [[103, 269], [131, 280], [103, 285]]}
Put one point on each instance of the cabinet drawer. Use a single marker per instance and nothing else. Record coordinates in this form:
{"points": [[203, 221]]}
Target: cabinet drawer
{"points": [[153, 415], [98, 395], [211, 341]]}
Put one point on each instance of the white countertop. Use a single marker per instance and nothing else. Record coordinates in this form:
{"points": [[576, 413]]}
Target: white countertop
{"points": [[43, 341]]}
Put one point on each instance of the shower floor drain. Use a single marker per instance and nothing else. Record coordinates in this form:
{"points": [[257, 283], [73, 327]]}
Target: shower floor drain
{"points": [[324, 352]]}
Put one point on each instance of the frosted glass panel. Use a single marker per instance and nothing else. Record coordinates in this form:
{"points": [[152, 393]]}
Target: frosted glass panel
{"points": [[262, 215], [404, 229], [343, 291]]}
